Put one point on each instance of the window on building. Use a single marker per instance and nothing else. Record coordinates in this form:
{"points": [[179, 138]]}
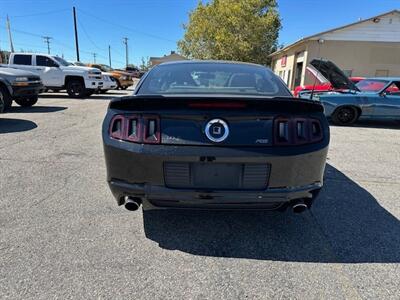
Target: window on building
{"points": [[23, 59]]}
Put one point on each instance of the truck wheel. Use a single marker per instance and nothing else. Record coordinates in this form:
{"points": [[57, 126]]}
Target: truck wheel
{"points": [[124, 87], [76, 89], [5, 99], [26, 102]]}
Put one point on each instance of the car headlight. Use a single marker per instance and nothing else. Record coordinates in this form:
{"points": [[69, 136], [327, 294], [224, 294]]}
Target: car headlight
{"points": [[20, 79], [94, 74], [124, 77]]}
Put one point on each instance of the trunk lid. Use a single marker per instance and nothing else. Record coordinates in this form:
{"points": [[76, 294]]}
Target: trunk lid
{"points": [[204, 121]]}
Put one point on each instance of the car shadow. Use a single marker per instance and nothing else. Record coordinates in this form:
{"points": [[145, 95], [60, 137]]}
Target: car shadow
{"points": [[345, 225], [15, 125], [36, 109], [384, 124]]}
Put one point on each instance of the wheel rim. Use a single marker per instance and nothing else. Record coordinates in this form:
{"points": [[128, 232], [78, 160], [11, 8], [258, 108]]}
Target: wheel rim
{"points": [[346, 115]]}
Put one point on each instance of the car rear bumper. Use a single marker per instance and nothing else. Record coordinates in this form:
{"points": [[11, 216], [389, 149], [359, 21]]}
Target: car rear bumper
{"points": [[139, 171], [163, 197]]}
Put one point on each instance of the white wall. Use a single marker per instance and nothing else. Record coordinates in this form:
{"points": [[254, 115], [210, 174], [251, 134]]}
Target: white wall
{"points": [[386, 30]]}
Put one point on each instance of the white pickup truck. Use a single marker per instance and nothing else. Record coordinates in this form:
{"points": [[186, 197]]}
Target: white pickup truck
{"points": [[57, 74]]}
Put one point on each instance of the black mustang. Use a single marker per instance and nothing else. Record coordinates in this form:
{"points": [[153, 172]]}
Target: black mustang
{"points": [[210, 134]]}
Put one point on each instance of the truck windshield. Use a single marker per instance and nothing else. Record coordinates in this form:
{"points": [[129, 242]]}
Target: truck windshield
{"points": [[213, 78], [106, 68], [61, 61]]}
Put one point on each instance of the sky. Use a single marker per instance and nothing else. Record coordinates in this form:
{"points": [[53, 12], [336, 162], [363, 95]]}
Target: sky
{"points": [[152, 26]]}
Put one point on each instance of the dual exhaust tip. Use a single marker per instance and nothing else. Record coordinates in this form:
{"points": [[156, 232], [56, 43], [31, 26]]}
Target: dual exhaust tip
{"points": [[132, 203]]}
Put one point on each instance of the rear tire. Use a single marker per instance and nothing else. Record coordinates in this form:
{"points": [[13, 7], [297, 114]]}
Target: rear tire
{"points": [[346, 115], [27, 102], [76, 89], [5, 99]]}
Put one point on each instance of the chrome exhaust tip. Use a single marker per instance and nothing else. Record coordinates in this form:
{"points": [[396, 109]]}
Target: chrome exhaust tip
{"points": [[132, 204], [299, 207]]}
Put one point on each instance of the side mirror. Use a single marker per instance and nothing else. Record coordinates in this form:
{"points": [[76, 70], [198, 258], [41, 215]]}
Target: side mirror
{"points": [[382, 94]]}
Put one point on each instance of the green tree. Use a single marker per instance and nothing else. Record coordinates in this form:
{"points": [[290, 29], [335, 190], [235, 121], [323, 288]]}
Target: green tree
{"points": [[242, 30]]}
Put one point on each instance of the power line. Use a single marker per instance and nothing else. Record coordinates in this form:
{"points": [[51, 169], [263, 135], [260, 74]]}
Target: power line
{"points": [[57, 42], [41, 13], [127, 28], [88, 37]]}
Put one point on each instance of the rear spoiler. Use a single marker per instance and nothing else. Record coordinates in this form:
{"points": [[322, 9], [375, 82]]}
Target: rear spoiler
{"points": [[286, 104]]}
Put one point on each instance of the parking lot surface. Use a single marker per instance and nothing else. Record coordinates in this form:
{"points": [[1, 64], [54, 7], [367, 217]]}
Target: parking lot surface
{"points": [[63, 236]]}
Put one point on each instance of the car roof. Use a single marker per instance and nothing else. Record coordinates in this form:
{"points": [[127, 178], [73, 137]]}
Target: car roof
{"points": [[210, 62]]}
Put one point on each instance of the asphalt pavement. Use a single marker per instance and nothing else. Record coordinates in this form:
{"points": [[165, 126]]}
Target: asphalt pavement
{"points": [[63, 236]]}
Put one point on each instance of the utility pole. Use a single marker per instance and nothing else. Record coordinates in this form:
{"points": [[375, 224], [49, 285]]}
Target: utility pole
{"points": [[94, 57], [109, 55], [125, 41], [9, 35], [47, 41], [76, 34]]}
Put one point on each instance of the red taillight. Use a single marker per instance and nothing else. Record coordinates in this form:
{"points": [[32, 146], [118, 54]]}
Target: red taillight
{"points": [[117, 127], [143, 129], [296, 131], [151, 130]]}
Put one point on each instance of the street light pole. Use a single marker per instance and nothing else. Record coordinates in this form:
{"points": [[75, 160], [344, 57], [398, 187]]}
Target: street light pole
{"points": [[125, 41], [109, 55], [76, 34]]}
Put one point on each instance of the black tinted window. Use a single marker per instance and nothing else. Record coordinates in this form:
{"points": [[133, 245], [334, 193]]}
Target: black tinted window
{"points": [[213, 78], [45, 61], [20, 59]]}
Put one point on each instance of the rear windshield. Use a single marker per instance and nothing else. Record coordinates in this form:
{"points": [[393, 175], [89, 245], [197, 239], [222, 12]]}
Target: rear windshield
{"points": [[212, 78]]}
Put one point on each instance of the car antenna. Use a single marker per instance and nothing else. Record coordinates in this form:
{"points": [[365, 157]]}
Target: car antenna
{"points": [[320, 41]]}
